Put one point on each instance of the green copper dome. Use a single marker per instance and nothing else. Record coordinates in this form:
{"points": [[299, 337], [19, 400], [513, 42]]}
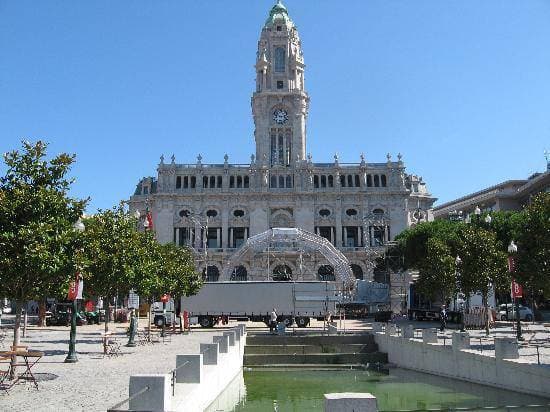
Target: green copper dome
{"points": [[278, 13]]}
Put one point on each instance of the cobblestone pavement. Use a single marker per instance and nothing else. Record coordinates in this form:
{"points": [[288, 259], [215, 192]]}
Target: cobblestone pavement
{"points": [[94, 383]]}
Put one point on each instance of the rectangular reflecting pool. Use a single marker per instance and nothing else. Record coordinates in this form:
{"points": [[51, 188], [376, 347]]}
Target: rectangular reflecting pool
{"points": [[302, 390]]}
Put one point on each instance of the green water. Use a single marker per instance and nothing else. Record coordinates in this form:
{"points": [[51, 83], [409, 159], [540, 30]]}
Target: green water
{"points": [[302, 390]]}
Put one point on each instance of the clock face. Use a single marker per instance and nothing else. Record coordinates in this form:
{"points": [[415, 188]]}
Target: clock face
{"points": [[280, 116]]}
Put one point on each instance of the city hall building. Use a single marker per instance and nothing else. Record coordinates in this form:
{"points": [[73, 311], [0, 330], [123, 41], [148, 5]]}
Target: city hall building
{"points": [[216, 208]]}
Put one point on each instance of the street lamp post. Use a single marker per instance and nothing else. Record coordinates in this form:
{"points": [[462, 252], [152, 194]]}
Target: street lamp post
{"points": [[71, 356], [458, 261], [512, 249]]}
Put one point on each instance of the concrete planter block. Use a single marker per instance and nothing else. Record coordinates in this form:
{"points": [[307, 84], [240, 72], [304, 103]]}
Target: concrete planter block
{"points": [[189, 368], [350, 402], [391, 329], [408, 332], [461, 340], [209, 353], [223, 342], [429, 336], [506, 348], [231, 336], [377, 327], [156, 399]]}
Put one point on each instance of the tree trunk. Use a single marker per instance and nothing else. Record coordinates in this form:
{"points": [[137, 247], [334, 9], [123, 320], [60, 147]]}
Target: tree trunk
{"points": [[149, 325], [16, 334], [107, 315], [42, 313], [486, 303]]}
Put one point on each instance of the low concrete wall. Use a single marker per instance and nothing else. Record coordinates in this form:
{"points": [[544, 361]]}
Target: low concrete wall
{"points": [[200, 377], [505, 371], [350, 402]]}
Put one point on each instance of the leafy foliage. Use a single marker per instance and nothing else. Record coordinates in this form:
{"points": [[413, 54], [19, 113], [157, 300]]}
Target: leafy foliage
{"points": [[533, 241], [437, 271], [37, 240]]}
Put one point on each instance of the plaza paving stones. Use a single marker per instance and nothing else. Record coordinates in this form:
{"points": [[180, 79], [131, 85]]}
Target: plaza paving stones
{"points": [[94, 383]]}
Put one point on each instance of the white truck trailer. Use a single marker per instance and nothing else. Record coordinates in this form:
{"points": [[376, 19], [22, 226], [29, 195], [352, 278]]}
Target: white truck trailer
{"points": [[293, 301]]}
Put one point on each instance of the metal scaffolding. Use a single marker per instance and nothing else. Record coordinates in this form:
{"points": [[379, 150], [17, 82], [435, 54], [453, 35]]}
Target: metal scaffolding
{"points": [[290, 239]]}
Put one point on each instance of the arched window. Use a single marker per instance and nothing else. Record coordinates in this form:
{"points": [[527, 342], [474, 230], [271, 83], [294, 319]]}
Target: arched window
{"points": [[383, 179], [288, 181], [316, 182], [357, 271], [239, 182], [282, 273], [330, 181], [369, 180], [274, 181], [357, 181], [185, 213], [246, 182], [324, 213], [376, 181], [212, 182], [351, 212], [378, 212], [279, 59], [281, 181], [326, 273], [323, 181], [239, 274], [205, 182], [238, 213], [213, 274], [211, 213], [350, 181]]}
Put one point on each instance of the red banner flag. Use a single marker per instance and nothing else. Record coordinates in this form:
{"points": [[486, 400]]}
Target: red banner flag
{"points": [[149, 221], [517, 290], [74, 289]]}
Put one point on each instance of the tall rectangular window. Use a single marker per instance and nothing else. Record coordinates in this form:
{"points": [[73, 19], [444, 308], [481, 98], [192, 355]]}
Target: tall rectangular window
{"points": [[279, 59]]}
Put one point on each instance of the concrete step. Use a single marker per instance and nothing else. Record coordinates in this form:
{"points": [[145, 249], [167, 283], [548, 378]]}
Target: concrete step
{"points": [[310, 349], [312, 366], [266, 339], [317, 359]]}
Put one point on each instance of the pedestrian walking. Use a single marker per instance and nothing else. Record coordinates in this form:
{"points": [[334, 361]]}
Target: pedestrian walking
{"points": [[443, 318], [273, 322]]}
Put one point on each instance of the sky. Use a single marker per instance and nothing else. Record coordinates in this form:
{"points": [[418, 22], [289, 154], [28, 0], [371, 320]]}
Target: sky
{"points": [[461, 88]]}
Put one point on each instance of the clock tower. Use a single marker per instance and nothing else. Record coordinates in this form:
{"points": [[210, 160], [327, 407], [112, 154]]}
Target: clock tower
{"points": [[280, 102]]}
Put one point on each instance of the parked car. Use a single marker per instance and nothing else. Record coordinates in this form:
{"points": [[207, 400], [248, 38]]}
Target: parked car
{"points": [[524, 312]]}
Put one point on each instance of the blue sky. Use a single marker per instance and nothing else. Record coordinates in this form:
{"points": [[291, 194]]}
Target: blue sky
{"points": [[460, 88]]}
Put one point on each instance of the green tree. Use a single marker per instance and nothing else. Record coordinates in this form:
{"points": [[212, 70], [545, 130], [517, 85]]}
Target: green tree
{"points": [[113, 255], [437, 271], [413, 242], [483, 263], [533, 240], [177, 271], [167, 269], [37, 239]]}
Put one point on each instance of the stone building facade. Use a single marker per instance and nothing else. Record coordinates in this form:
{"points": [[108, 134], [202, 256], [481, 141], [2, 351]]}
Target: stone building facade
{"points": [[215, 208]]}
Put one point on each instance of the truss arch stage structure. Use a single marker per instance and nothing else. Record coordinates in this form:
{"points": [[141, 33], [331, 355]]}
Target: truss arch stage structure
{"points": [[291, 239]]}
